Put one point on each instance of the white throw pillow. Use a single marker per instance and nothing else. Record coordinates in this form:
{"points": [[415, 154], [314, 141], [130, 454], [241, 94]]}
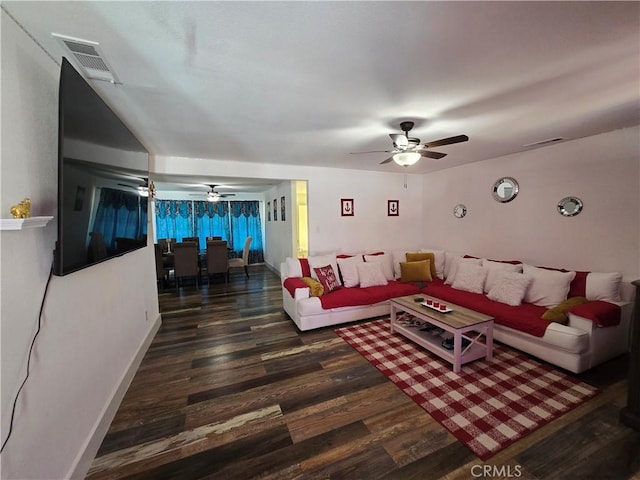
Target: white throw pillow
{"points": [[371, 274], [603, 286], [386, 263], [548, 287], [439, 260], [493, 268], [349, 270], [321, 261], [398, 256], [449, 258], [509, 287], [293, 267], [455, 263], [470, 278]]}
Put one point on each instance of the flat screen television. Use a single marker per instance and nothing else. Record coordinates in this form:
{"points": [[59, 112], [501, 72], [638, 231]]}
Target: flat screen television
{"points": [[102, 179]]}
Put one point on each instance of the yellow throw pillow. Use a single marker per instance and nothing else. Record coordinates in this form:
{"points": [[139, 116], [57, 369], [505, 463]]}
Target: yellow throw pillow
{"points": [[417, 256], [559, 312], [418, 271], [316, 288]]}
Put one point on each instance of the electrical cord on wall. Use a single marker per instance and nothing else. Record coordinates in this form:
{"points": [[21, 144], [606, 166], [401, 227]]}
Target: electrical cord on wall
{"points": [[33, 342]]}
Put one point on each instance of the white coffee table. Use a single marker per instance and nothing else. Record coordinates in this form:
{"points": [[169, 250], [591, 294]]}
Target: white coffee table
{"points": [[460, 323]]}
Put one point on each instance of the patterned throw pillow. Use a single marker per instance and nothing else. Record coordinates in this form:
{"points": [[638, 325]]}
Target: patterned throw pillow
{"points": [[327, 277]]}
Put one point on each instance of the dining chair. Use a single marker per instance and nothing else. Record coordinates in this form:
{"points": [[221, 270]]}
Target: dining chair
{"points": [[193, 239], [217, 260], [244, 261], [185, 261], [161, 271]]}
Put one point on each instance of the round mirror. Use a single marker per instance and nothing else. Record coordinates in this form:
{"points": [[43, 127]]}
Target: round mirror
{"points": [[505, 189], [459, 211], [570, 206]]}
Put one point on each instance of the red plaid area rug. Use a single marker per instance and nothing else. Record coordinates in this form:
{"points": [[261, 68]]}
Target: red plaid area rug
{"points": [[488, 405]]}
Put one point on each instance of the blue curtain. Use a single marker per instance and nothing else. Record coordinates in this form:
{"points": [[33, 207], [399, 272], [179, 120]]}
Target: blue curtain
{"points": [[174, 219], [211, 220], [245, 222], [120, 214]]}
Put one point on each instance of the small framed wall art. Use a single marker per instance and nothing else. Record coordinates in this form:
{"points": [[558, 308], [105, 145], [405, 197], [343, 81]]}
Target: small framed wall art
{"points": [[268, 211], [275, 209], [393, 208], [282, 209], [346, 207]]}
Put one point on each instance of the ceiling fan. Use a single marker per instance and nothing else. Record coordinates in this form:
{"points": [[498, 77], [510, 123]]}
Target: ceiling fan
{"points": [[214, 196], [143, 190], [408, 150]]}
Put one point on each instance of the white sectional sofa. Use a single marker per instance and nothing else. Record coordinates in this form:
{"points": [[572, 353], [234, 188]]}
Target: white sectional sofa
{"points": [[577, 345]]}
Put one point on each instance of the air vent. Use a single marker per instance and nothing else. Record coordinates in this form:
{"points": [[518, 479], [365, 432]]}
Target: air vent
{"points": [[88, 57], [545, 142]]}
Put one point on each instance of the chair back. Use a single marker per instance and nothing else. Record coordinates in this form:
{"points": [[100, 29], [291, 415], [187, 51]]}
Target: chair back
{"points": [[192, 239], [185, 259], [97, 247], [245, 251], [217, 257], [163, 244]]}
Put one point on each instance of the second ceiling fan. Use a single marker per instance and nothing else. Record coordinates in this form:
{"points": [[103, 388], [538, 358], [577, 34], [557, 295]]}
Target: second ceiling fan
{"points": [[408, 150]]}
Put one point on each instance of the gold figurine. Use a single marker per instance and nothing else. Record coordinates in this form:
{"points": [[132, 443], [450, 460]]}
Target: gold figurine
{"points": [[22, 210]]}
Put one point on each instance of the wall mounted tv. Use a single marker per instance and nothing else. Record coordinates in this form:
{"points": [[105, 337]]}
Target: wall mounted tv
{"points": [[102, 175]]}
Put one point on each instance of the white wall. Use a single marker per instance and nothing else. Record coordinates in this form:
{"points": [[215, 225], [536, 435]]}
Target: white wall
{"points": [[602, 170], [369, 229], [94, 325], [279, 234]]}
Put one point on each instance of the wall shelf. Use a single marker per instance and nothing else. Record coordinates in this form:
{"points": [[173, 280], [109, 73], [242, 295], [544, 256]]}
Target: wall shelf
{"points": [[22, 223]]}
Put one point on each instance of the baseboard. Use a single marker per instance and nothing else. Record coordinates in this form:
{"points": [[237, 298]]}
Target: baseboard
{"points": [[88, 453]]}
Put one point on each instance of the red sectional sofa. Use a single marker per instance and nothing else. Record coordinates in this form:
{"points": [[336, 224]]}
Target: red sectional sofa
{"points": [[595, 331]]}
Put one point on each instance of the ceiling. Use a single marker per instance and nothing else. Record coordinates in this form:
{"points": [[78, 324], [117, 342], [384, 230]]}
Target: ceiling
{"points": [[306, 83]]}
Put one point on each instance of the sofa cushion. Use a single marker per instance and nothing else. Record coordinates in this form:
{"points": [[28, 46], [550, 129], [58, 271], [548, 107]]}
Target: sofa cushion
{"points": [[357, 296], [322, 261], [470, 278], [419, 271], [439, 260], [509, 287], [349, 270], [315, 288], [327, 277], [455, 262], [418, 256], [603, 286], [494, 268], [525, 317], [385, 261], [559, 312], [370, 274], [298, 267], [548, 288]]}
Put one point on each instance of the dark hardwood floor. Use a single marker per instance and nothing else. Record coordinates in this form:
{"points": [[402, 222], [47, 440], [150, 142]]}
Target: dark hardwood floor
{"points": [[231, 389]]}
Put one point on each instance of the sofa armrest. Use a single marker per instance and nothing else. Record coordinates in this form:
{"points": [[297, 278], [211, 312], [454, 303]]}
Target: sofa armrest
{"points": [[588, 323], [296, 288]]}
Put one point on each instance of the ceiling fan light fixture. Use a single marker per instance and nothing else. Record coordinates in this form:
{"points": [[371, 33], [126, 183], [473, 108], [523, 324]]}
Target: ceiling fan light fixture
{"points": [[406, 159], [212, 197], [143, 190]]}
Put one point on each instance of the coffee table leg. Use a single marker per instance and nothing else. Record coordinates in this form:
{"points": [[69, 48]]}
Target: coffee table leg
{"points": [[393, 317], [457, 351], [489, 340]]}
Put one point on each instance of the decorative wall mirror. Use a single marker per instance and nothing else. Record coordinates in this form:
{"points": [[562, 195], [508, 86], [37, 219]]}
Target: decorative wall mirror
{"points": [[459, 211], [570, 206], [505, 189]]}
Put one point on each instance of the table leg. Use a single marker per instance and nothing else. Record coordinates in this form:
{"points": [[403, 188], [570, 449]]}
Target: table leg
{"points": [[393, 317], [457, 350], [489, 340]]}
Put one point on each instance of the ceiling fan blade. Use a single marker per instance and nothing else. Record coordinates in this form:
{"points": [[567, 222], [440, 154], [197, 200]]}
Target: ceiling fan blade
{"points": [[447, 141], [372, 151], [399, 140], [386, 161], [430, 154]]}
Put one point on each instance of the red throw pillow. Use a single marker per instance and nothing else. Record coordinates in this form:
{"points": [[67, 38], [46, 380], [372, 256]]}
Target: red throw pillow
{"points": [[327, 277]]}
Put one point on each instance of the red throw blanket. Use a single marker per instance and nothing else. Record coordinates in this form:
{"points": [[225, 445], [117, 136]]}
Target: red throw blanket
{"points": [[356, 296], [603, 314], [526, 317]]}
